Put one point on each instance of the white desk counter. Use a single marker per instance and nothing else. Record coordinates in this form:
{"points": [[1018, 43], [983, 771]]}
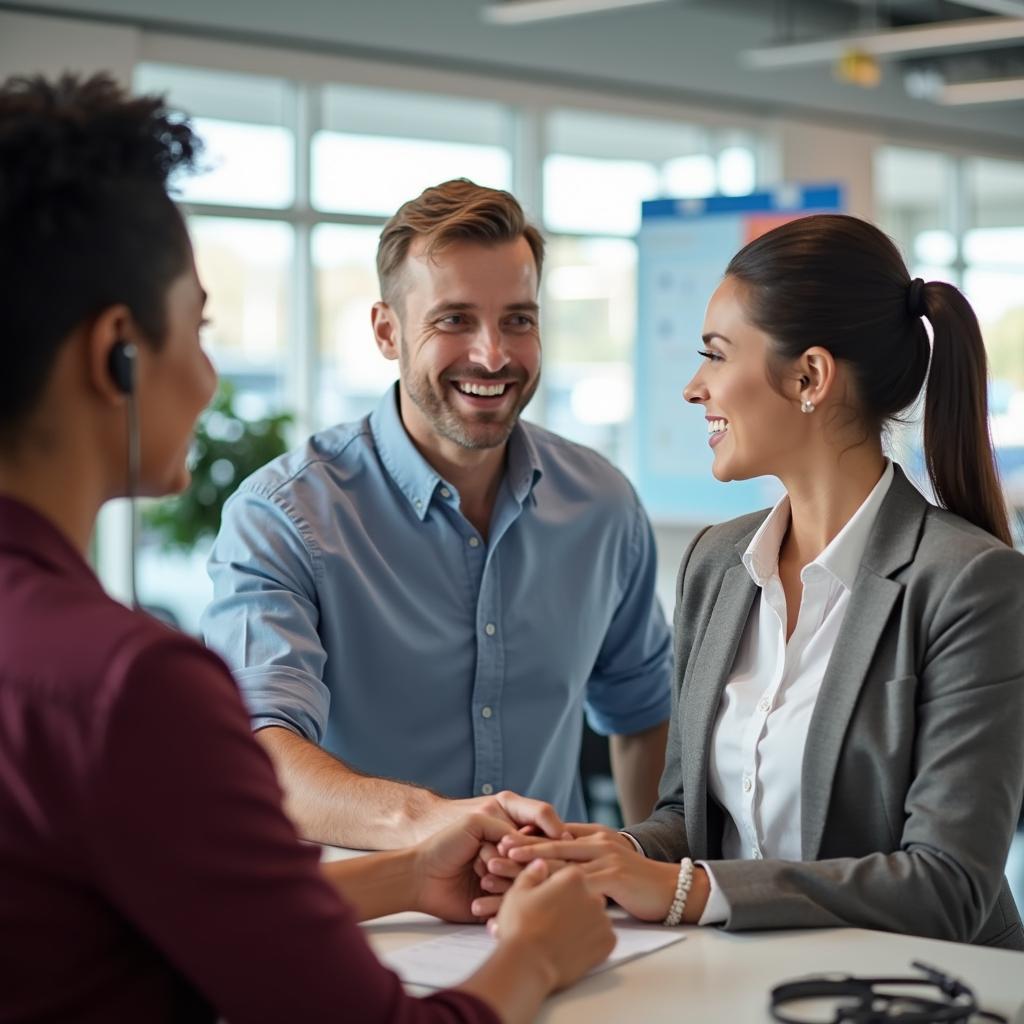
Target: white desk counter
{"points": [[714, 976], [717, 977]]}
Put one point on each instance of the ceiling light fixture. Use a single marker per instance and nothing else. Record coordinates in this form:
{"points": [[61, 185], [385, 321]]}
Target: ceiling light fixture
{"points": [[971, 34], [518, 12]]}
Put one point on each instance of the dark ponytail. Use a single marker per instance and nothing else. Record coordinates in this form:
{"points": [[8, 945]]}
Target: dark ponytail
{"points": [[957, 445], [840, 283]]}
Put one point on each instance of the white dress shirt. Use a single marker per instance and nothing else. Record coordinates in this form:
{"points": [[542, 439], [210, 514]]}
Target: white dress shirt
{"points": [[757, 748]]}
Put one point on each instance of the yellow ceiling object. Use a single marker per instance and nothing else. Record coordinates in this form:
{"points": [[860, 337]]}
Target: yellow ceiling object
{"points": [[858, 68]]}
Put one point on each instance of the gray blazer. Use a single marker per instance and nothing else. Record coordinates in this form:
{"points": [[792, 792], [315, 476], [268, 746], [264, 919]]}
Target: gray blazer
{"points": [[913, 772]]}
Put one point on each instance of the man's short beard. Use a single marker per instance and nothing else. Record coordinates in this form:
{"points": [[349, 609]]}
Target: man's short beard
{"points": [[452, 430], [447, 423]]}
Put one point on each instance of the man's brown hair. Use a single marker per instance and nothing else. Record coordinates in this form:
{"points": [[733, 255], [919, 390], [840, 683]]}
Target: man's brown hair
{"points": [[455, 211]]}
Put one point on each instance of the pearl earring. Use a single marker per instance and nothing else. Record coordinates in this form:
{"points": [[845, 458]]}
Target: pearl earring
{"points": [[807, 405]]}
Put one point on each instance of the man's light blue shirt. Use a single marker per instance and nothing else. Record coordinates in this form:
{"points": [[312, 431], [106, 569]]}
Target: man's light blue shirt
{"points": [[359, 608]]}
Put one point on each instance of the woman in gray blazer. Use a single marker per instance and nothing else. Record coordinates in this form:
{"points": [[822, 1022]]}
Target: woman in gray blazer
{"points": [[847, 737]]}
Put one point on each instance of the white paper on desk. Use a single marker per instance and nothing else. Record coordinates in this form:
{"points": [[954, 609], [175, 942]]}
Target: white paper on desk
{"points": [[450, 959]]}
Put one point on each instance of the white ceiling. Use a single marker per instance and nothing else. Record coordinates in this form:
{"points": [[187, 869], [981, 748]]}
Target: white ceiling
{"points": [[686, 49]]}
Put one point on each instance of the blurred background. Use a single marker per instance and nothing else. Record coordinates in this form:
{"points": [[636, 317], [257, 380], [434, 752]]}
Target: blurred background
{"points": [[322, 116]]}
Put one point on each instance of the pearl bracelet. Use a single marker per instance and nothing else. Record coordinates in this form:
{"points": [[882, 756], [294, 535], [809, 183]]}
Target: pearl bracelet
{"points": [[675, 911]]}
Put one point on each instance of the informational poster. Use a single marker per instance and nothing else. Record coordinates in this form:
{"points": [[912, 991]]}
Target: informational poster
{"points": [[684, 247]]}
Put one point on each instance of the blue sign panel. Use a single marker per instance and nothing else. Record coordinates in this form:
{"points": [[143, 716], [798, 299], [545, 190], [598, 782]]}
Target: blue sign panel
{"points": [[684, 247]]}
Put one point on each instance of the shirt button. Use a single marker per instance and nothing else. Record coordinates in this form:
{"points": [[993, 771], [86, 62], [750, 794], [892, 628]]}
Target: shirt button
{"points": [[487, 712], [757, 854], [764, 705], [474, 542], [490, 629], [747, 784], [418, 504], [487, 789], [445, 493]]}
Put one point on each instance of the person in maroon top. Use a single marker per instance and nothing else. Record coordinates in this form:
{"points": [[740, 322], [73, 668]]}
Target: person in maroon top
{"points": [[147, 870]]}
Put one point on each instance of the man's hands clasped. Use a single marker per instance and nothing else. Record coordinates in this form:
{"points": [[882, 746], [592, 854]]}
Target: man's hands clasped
{"points": [[518, 811]]}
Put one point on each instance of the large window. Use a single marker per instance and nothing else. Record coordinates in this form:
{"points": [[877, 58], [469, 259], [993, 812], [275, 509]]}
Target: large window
{"points": [[598, 170], [300, 176], [352, 374], [247, 125], [245, 266], [589, 330], [962, 220], [377, 148], [993, 250], [916, 207]]}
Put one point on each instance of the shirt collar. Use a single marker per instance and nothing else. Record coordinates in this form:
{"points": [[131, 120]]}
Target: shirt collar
{"points": [[25, 531], [841, 558], [419, 481], [523, 465], [761, 559]]}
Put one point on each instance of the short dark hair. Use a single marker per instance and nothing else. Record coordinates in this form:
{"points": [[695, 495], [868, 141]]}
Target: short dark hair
{"points": [[85, 220], [838, 282], [454, 211]]}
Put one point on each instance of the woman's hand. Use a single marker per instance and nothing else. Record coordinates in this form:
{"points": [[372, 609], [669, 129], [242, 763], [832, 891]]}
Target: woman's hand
{"points": [[496, 879], [573, 830], [550, 931], [488, 851], [610, 865], [505, 870], [558, 916]]}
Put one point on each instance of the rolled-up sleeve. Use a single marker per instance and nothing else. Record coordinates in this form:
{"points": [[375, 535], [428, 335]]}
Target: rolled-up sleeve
{"points": [[630, 687], [264, 617]]}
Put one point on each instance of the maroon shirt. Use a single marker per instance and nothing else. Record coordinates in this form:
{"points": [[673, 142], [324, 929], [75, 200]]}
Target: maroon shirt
{"points": [[147, 871]]}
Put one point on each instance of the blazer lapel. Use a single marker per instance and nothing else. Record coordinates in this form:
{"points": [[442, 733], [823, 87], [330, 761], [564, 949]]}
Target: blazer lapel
{"points": [[892, 545], [707, 681]]}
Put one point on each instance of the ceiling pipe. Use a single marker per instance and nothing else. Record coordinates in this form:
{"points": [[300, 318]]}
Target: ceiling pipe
{"points": [[971, 34], [1009, 8], [996, 90], [519, 12]]}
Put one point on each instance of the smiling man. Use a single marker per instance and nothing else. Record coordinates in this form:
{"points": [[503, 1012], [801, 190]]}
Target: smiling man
{"points": [[419, 606]]}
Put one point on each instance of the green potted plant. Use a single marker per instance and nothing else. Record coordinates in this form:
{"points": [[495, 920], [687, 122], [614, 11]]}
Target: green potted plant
{"points": [[226, 449]]}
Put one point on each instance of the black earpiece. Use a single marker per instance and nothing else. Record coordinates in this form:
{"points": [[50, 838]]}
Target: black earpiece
{"points": [[121, 363]]}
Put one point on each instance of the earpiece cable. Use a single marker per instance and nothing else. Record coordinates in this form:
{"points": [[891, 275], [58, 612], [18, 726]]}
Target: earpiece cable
{"points": [[133, 482]]}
